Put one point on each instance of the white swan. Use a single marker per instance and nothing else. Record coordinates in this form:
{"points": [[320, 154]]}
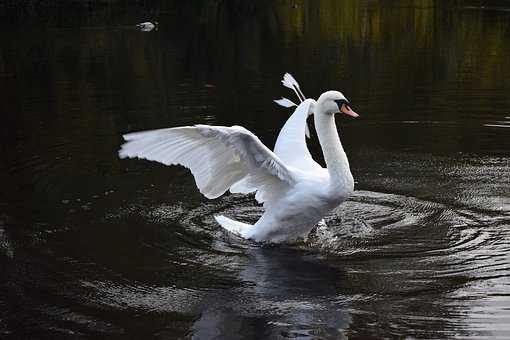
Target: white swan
{"points": [[295, 190]]}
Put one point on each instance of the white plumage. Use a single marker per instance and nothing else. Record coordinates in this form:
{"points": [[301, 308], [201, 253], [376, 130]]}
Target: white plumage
{"points": [[285, 102], [217, 156], [295, 190], [291, 83], [291, 144]]}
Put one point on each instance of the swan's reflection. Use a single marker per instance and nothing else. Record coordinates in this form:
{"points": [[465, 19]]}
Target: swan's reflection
{"points": [[284, 292]]}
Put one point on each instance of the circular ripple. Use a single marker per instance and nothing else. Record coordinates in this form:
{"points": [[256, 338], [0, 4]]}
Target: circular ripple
{"points": [[374, 246]]}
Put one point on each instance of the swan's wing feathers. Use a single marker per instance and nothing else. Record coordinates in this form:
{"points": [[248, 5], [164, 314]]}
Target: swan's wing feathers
{"points": [[291, 143], [249, 147], [219, 157], [285, 102], [289, 81], [307, 130], [289, 103]]}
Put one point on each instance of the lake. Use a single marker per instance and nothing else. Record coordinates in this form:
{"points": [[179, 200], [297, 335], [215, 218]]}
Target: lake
{"points": [[92, 246]]}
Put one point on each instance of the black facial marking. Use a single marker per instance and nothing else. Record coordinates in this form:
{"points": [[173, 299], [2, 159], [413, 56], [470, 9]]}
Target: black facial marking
{"points": [[340, 102]]}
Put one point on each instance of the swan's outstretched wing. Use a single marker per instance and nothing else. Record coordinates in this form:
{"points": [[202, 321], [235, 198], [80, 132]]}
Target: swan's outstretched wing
{"points": [[291, 143], [219, 157]]}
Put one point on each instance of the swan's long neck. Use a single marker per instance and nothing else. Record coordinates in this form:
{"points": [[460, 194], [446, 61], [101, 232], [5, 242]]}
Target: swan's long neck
{"points": [[334, 154]]}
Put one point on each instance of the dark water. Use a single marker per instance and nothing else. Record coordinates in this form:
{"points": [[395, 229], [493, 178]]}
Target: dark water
{"points": [[92, 246]]}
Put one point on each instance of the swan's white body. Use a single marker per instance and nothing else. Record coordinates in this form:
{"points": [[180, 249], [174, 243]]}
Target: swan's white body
{"points": [[295, 190]]}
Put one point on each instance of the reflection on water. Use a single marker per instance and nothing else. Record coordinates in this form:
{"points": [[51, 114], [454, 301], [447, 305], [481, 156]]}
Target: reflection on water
{"points": [[94, 246]]}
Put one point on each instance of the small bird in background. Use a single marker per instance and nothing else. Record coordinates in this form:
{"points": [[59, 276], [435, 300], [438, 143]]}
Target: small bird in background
{"points": [[147, 26]]}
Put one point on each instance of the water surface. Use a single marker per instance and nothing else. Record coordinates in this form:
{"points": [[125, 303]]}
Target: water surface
{"points": [[93, 246]]}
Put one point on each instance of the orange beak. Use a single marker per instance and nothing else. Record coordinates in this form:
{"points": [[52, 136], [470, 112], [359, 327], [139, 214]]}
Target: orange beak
{"points": [[347, 110]]}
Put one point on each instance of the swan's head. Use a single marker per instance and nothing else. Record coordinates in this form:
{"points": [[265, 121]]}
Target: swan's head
{"points": [[333, 101]]}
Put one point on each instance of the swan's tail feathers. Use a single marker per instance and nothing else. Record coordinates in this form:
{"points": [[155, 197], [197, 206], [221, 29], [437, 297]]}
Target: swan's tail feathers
{"points": [[239, 228], [291, 83]]}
